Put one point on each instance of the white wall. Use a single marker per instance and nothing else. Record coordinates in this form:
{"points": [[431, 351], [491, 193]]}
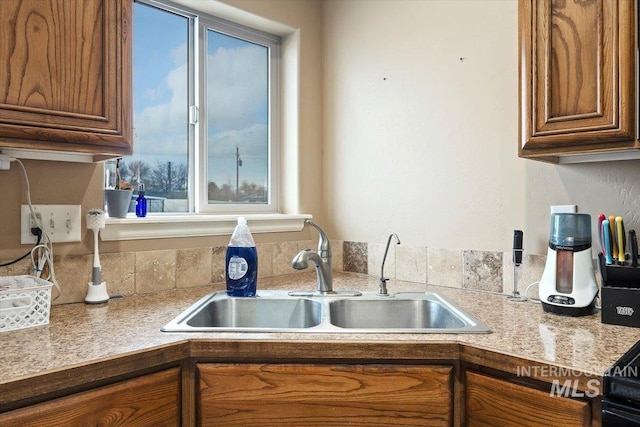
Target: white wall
{"points": [[421, 131]]}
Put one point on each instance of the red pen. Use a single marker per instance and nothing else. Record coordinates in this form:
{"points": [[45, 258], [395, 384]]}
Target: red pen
{"points": [[601, 218]]}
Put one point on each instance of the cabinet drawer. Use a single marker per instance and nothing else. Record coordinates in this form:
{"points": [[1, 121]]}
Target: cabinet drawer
{"points": [[150, 400], [494, 402], [322, 395]]}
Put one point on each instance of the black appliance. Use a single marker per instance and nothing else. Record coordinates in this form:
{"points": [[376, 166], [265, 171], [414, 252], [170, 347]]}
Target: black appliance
{"points": [[621, 391], [620, 294]]}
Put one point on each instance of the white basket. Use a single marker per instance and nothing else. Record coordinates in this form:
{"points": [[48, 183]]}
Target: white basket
{"points": [[25, 301]]}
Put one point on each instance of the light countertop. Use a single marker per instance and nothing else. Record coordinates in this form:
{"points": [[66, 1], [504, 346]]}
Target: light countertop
{"points": [[80, 334]]}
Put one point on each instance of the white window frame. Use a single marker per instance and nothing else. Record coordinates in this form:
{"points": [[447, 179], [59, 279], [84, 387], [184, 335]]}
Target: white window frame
{"points": [[271, 42], [194, 224], [200, 23]]}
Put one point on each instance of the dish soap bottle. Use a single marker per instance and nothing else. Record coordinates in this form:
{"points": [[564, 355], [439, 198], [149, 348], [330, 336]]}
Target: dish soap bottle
{"points": [[141, 202], [241, 262]]}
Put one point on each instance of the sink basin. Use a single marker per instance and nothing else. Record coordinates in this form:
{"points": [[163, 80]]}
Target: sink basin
{"points": [[219, 312], [394, 314], [258, 313], [277, 311]]}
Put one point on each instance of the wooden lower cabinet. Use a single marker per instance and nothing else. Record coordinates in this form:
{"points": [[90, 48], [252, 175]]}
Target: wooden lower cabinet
{"points": [[149, 400], [495, 402], [323, 395]]}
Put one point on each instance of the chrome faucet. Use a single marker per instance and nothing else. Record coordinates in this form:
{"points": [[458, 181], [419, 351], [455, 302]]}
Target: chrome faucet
{"points": [[321, 259], [382, 289]]}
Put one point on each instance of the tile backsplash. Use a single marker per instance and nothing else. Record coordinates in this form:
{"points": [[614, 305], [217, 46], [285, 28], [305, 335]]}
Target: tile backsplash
{"points": [[143, 272], [355, 257], [458, 268], [482, 270], [129, 273]]}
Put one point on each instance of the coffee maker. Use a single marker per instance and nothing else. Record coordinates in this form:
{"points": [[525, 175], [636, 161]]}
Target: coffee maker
{"points": [[568, 284]]}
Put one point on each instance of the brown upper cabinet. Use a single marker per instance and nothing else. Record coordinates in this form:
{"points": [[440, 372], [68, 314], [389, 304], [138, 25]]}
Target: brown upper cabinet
{"points": [[577, 80], [65, 83]]}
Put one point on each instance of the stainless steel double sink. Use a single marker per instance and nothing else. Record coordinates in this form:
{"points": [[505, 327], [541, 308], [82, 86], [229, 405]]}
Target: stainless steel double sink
{"points": [[278, 311]]}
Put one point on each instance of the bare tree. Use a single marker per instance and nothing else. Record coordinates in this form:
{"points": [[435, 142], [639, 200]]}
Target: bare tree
{"points": [[138, 171], [250, 191], [222, 194], [168, 177]]}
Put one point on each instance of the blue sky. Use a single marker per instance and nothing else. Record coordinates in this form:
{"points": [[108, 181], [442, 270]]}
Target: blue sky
{"points": [[151, 62], [236, 96]]}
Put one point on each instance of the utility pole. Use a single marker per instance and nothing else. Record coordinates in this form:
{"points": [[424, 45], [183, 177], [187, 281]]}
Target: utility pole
{"points": [[238, 164]]}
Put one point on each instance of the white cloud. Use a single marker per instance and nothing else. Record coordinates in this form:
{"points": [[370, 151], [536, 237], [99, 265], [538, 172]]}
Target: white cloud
{"points": [[237, 86], [252, 141], [163, 127], [252, 144], [237, 81], [178, 54], [153, 94]]}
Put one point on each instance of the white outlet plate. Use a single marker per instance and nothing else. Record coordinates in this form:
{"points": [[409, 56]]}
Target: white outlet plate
{"points": [[61, 222]]}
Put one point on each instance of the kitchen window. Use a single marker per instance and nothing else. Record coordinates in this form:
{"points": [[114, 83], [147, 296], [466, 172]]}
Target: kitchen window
{"points": [[205, 98], [208, 151]]}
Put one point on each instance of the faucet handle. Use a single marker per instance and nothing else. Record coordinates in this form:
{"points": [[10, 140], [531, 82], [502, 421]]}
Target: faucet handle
{"points": [[324, 246]]}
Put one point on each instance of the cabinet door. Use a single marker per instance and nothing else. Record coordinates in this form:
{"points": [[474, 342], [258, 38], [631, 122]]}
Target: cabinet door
{"points": [[323, 395], [577, 84], [66, 75], [492, 402], [151, 400]]}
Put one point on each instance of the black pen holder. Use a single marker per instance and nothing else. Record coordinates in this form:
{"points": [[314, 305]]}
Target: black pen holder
{"points": [[620, 294]]}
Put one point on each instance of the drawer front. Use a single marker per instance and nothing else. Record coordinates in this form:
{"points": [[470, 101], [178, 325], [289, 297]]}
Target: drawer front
{"points": [[494, 402], [322, 395], [149, 400]]}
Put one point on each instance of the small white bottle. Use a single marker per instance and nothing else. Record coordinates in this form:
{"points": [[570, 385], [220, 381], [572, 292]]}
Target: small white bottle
{"points": [[241, 262]]}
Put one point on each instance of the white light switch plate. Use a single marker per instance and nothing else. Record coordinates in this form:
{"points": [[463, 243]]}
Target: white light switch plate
{"points": [[61, 222]]}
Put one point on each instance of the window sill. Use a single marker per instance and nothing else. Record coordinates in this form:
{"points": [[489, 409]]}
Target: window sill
{"points": [[161, 226]]}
